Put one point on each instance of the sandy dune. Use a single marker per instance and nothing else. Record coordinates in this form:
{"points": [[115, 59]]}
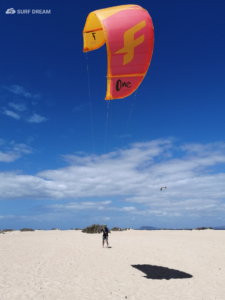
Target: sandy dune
{"points": [[138, 265]]}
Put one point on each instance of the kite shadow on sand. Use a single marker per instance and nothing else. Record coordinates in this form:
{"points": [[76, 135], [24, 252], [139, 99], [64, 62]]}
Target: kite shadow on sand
{"points": [[156, 272]]}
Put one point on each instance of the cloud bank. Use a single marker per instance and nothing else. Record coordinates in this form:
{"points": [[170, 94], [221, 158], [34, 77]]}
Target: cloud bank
{"points": [[193, 173]]}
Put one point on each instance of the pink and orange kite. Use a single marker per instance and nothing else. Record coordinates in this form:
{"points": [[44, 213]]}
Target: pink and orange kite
{"points": [[128, 33]]}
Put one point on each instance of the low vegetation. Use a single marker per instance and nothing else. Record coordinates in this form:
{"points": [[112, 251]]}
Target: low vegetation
{"points": [[95, 228], [119, 229], [203, 228], [26, 229]]}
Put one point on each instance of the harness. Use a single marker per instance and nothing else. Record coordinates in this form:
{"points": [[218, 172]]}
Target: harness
{"points": [[105, 233]]}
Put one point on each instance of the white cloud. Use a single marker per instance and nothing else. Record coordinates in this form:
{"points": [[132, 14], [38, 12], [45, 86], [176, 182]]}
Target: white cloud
{"points": [[35, 118], [135, 175], [74, 206], [8, 157], [21, 148], [19, 90], [18, 106], [11, 114], [7, 217], [13, 151], [19, 109]]}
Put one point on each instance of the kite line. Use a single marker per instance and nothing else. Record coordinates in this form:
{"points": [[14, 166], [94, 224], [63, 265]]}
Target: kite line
{"points": [[128, 121], [92, 128], [107, 117]]}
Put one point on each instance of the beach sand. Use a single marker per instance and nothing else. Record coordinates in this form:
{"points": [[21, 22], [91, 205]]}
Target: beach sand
{"points": [[138, 265]]}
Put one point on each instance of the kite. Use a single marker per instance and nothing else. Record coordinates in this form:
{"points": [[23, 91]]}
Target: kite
{"points": [[128, 33], [163, 187]]}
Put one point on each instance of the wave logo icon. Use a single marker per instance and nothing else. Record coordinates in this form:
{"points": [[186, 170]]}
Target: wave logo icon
{"points": [[10, 11]]}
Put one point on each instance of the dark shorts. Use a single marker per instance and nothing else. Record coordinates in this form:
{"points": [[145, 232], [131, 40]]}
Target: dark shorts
{"points": [[105, 238]]}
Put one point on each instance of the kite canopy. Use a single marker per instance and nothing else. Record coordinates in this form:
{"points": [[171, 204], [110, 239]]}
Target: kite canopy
{"points": [[128, 33]]}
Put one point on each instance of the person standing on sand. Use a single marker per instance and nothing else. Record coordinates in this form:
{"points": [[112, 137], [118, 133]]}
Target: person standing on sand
{"points": [[105, 235]]}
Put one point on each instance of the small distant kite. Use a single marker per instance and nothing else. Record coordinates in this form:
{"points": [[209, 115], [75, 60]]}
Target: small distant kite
{"points": [[163, 187]]}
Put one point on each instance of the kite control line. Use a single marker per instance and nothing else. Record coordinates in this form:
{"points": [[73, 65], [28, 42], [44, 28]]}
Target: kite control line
{"points": [[107, 117], [92, 128], [129, 117]]}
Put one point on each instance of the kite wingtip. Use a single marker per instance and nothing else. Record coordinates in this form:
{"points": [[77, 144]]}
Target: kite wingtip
{"points": [[86, 49]]}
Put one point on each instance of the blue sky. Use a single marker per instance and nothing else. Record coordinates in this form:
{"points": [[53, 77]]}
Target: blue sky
{"points": [[59, 169]]}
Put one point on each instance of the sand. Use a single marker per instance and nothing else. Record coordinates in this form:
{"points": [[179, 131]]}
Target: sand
{"points": [[73, 265]]}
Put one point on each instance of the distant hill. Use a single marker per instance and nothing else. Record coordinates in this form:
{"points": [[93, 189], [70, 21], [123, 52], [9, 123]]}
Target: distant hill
{"points": [[148, 228], [156, 228], [219, 228]]}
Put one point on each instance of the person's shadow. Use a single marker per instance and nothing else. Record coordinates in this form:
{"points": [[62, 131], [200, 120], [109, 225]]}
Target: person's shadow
{"points": [[156, 272]]}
